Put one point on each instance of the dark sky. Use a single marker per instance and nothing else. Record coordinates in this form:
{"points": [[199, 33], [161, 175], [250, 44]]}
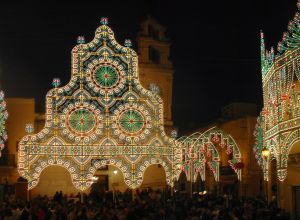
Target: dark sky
{"points": [[215, 46]]}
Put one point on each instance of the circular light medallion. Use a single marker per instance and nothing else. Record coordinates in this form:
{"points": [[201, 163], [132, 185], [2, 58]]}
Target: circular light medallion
{"points": [[106, 76], [82, 121], [131, 121]]}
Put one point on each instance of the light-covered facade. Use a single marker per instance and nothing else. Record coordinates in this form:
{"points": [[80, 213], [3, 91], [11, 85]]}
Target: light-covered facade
{"points": [[278, 126]]}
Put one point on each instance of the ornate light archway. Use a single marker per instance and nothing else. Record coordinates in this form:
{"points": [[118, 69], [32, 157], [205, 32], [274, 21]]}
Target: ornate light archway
{"points": [[199, 150], [279, 123], [103, 116]]}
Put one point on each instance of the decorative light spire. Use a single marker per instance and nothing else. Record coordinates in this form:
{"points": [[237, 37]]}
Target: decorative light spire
{"points": [[29, 128], [104, 21], [262, 52], [56, 82], [127, 43], [154, 88], [174, 134], [80, 40], [272, 54]]}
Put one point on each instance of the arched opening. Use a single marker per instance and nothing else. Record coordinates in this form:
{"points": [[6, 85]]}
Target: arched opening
{"points": [[154, 55], [53, 179], [292, 188], [182, 184], [211, 185], [272, 190], [110, 178], [154, 177], [152, 32], [199, 185], [109, 184], [228, 182]]}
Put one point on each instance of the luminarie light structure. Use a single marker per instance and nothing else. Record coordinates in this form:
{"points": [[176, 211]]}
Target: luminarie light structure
{"points": [[278, 126], [103, 116], [201, 150], [3, 119]]}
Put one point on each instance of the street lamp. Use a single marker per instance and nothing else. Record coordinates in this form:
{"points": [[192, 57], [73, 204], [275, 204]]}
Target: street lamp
{"points": [[115, 172], [265, 152], [94, 179]]}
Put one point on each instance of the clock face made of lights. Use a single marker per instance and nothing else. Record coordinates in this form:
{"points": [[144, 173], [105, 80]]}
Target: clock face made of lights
{"points": [[131, 121], [81, 121]]}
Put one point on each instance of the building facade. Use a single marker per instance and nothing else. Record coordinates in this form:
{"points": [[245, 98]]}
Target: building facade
{"points": [[21, 112], [155, 68]]}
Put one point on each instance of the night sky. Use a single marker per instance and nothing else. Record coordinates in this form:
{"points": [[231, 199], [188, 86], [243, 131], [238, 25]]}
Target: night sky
{"points": [[215, 46]]}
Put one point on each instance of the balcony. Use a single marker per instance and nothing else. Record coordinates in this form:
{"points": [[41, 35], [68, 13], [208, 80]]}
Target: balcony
{"points": [[7, 160]]}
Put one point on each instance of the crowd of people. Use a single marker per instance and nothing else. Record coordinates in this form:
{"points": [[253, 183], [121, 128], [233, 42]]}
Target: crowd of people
{"points": [[146, 205]]}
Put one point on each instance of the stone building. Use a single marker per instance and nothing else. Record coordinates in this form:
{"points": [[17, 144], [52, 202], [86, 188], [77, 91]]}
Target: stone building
{"points": [[155, 68]]}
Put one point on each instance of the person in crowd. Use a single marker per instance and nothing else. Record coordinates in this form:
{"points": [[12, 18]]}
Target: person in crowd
{"points": [[147, 204]]}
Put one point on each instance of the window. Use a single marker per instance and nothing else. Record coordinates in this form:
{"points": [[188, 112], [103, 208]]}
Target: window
{"points": [[154, 55], [153, 33]]}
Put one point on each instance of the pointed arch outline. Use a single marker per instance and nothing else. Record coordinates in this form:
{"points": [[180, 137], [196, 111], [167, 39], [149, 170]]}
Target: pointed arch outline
{"points": [[200, 148]]}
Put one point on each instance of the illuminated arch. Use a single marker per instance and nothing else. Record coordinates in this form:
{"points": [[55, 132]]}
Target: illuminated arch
{"points": [[282, 165], [39, 167], [152, 161], [199, 150], [122, 165]]}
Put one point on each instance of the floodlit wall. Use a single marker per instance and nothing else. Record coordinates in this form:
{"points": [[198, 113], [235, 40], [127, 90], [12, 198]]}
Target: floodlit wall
{"points": [[154, 177], [158, 71], [21, 111], [285, 188], [242, 132], [54, 178]]}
